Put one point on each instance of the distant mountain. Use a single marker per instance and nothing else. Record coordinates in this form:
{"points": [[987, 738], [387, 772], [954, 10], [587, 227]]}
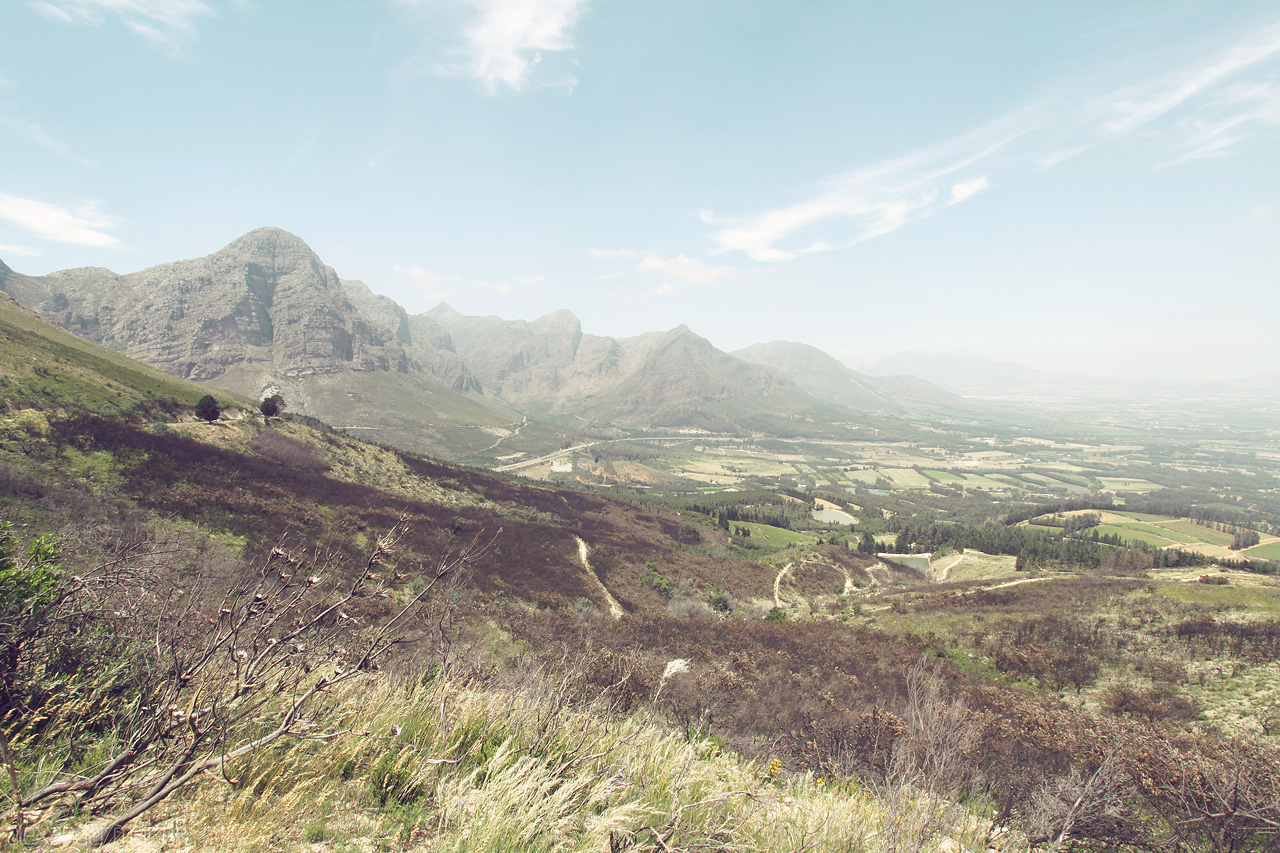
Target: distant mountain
{"points": [[685, 382], [266, 315], [827, 378], [979, 377], [265, 303]]}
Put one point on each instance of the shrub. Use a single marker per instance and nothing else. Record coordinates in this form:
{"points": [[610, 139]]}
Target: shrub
{"points": [[289, 452]]}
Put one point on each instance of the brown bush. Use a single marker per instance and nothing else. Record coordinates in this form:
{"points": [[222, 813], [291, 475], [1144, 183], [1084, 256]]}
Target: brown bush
{"points": [[289, 451]]}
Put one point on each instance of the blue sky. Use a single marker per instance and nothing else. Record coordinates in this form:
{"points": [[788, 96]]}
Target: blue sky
{"points": [[1089, 186]]}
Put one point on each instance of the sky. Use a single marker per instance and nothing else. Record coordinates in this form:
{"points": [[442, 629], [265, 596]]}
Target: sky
{"points": [[1090, 187]]}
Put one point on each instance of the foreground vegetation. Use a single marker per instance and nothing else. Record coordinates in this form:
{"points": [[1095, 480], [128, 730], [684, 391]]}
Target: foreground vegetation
{"points": [[261, 633]]}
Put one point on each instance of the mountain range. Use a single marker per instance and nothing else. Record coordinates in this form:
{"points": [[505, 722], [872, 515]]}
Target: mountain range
{"points": [[265, 315], [976, 377]]}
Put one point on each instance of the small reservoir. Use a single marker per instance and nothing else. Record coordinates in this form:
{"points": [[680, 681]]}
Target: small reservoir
{"points": [[834, 516]]}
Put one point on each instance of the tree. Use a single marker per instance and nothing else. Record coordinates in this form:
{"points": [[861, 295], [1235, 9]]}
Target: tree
{"points": [[868, 543], [271, 406], [207, 409]]}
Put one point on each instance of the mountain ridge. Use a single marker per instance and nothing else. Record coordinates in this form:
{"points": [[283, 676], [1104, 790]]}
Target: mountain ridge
{"points": [[264, 314]]}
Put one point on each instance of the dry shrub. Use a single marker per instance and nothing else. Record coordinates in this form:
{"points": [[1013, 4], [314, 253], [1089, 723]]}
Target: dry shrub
{"points": [[289, 451]]}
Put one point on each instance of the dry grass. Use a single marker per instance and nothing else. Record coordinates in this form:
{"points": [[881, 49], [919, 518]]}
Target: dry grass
{"points": [[445, 766]]}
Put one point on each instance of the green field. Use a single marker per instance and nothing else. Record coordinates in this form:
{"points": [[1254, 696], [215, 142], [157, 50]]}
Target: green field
{"points": [[977, 481], [1202, 534], [1126, 484], [944, 476], [1141, 516], [775, 535], [1071, 479], [1269, 551], [1129, 534], [906, 477], [1160, 530]]}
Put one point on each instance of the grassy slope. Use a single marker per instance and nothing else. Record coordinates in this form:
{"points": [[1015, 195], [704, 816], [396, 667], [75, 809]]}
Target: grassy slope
{"points": [[43, 366]]}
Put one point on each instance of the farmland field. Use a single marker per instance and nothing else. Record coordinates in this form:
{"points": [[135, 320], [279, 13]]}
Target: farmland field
{"points": [[1160, 530], [1200, 532], [1125, 484], [1267, 551], [906, 477], [1129, 534]]}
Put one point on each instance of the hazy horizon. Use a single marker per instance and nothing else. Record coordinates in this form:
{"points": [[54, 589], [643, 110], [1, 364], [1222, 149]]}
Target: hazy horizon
{"points": [[1088, 190]]}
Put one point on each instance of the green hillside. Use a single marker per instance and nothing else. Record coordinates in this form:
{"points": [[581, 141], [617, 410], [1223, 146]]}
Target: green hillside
{"points": [[44, 367], [245, 635]]}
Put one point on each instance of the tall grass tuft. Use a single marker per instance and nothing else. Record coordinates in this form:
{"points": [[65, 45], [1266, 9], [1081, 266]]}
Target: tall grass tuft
{"points": [[464, 768]]}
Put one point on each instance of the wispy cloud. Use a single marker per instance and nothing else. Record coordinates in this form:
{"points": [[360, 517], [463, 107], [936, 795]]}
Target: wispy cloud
{"points": [[1138, 105], [968, 189], [874, 201], [680, 268], [14, 250], [164, 23], [83, 224], [685, 268], [429, 285], [613, 254], [37, 134], [506, 44], [1232, 116], [1202, 109]]}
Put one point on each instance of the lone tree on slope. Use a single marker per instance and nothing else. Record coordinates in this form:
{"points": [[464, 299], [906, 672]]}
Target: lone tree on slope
{"points": [[207, 409], [271, 406]]}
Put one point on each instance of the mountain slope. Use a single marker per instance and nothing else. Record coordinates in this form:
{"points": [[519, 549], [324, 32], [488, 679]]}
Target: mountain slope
{"points": [[686, 383], [828, 379], [264, 315], [263, 305]]}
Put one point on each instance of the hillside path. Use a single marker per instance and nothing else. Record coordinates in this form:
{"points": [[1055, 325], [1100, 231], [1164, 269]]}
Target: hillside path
{"points": [[945, 572], [516, 432], [615, 609], [777, 585]]}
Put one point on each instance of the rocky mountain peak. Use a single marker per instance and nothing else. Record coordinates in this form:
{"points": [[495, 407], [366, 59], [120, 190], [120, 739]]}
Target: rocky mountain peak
{"points": [[262, 306]]}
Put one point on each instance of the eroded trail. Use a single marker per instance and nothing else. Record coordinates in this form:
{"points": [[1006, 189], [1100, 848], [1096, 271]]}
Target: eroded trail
{"points": [[777, 585], [941, 575], [615, 609]]}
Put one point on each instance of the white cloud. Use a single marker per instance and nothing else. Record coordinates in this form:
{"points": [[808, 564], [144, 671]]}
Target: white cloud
{"points": [[870, 202], [684, 268], [968, 189], [612, 254], [13, 250], [44, 139], [83, 224], [884, 197], [681, 268], [1229, 118], [507, 42], [1263, 210], [1142, 104], [166, 23], [664, 289], [431, 285]]}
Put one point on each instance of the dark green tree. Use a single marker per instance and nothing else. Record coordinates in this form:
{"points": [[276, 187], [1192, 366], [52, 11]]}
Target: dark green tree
{"points": [[867, 544], [207, 409], [271, 406]]}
